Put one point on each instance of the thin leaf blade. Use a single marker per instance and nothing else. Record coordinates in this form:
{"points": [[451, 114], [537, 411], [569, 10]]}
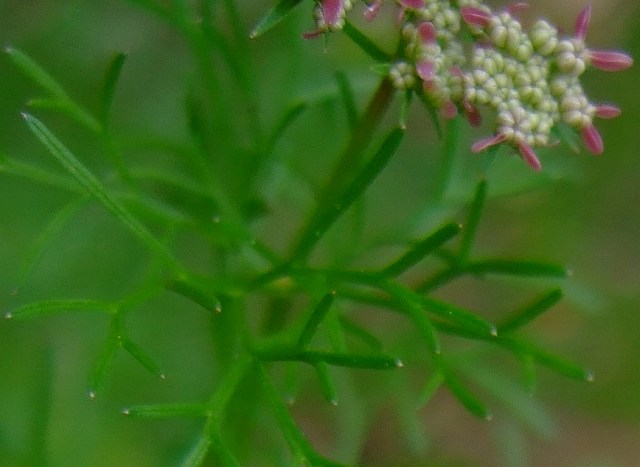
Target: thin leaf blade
{"points": [[166, 411], [32, 70], [92, 185], [47, 307], [277, 14]]}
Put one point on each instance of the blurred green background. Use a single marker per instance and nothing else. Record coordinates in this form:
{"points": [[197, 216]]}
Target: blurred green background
{"points": [[587, 218]]}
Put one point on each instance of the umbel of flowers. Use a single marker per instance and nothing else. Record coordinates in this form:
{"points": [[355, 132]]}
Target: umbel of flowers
{"points": [[529, 79]]}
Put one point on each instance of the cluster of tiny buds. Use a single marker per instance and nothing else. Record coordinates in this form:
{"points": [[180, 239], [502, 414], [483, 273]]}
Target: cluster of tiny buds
{"points": [[530, 80]]}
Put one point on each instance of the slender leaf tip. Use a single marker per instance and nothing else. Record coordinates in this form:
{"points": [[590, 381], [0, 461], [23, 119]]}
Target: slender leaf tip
{"points": [[126, 412]]}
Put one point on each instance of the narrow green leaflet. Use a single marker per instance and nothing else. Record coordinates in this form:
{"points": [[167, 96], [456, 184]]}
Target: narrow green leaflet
{"points": [[97, 189], [142, 357], [300, 446], [325, 219], [166, 411], [372, 362], [559, 364], [36, 174], [197, 294], [459, 316], [430, 388], [346, 92], [423, 248], [103, 364], [513, 396], [69, 108], [277, 14], [318, 314], [108, 88], [225, 456], [36, 73], [516, 268], [47, 307], [531, 311], [196, 455], [466, 398], [366, 44], [290, 116], [473, 219], [361, 333], [328, 388], [47, 234]]}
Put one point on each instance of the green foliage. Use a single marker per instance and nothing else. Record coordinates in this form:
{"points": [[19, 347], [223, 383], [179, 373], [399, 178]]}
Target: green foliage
{"points": [[272, 308]]}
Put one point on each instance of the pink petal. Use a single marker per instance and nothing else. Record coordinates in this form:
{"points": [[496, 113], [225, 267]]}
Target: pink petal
{"points": [[413, 4], [472, 114], [608, 60], [449, 110], [485, 143], [456, 71], [428, 32], [332, 11], [582, 23], [475, 16], [516, 8], [426, 70], [312, 34], [371, 10], [592, 139], [529, 156], [607, 111]]}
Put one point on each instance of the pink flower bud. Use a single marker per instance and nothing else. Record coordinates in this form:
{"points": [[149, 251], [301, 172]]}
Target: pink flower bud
{"points": [[449, 110], [475, 16], [529, 156], [486, 143], [372, 9], [472, 114], [607, 111], [582, 23], [608, 60], [412, 4], [592, 139], [332, 11], [426, 70], [428, 33], [517, 7]]}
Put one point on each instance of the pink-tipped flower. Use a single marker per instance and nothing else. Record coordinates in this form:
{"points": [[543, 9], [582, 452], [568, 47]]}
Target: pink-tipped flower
{"points": [[592, 139], [475, 16], [608, 60], [449, 110], [428, 32], [526, 151], [332, 11], [529, 156], [607, 111], [582, 23], [486, 143], [371, 10], [518, 7], [411, 4], [426, 70], [472, 113]]}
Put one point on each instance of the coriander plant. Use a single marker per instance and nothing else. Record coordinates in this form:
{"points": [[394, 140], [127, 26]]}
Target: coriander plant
{"points": [[326, 304]]}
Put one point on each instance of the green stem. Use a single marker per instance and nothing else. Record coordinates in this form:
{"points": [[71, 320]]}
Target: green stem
{"points": [[351, 157], [360, 138]]}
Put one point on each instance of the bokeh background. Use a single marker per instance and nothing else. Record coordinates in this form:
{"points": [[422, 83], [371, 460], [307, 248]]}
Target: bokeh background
{"points": [[588, 217]]}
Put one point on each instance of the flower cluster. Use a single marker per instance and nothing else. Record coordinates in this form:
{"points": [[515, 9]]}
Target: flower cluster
{"points": [[529, 79]]}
